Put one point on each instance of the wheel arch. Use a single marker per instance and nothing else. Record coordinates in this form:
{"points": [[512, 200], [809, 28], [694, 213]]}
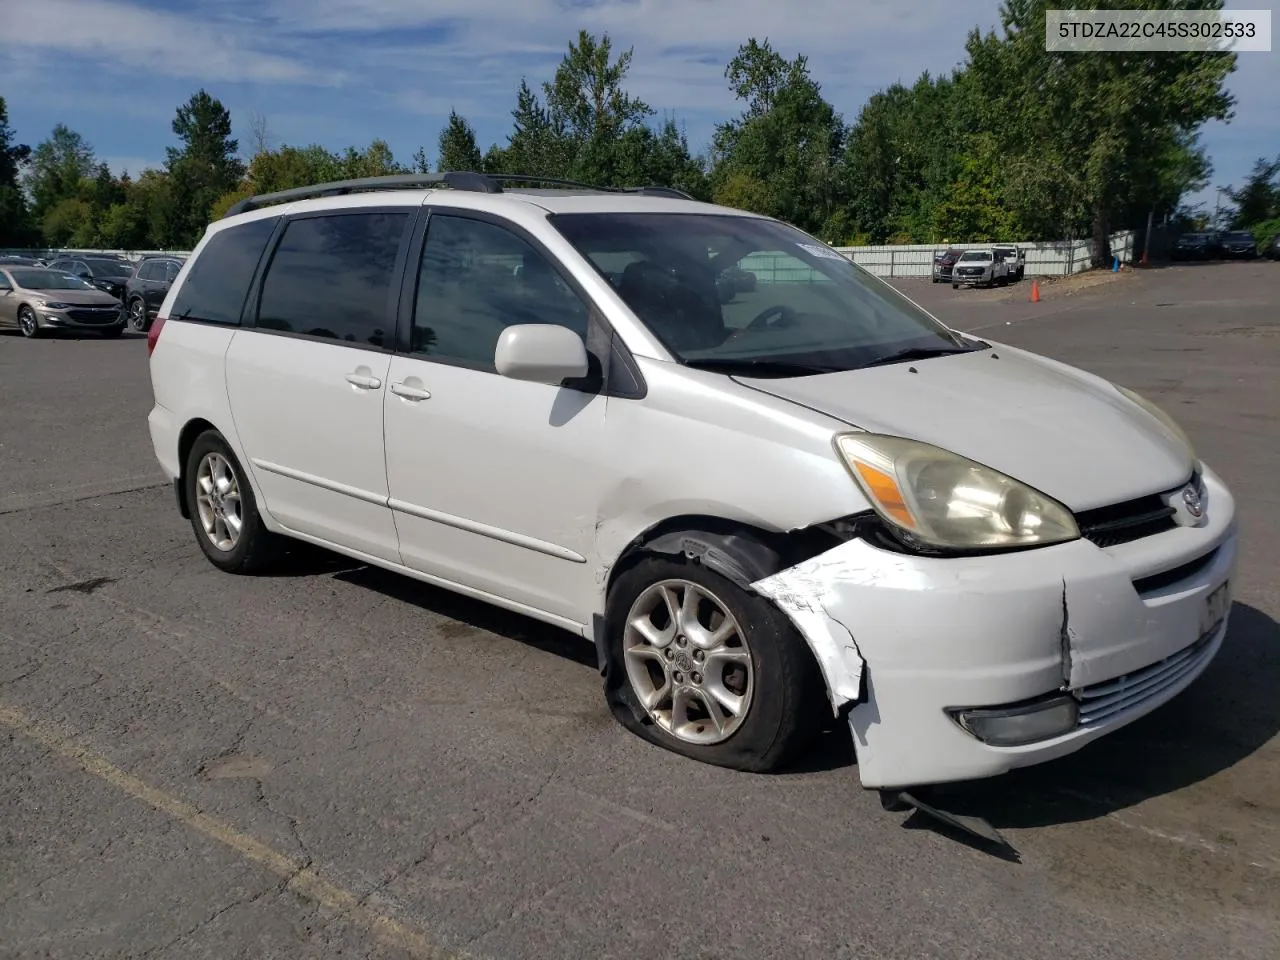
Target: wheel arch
{"points": [[190, 432], [740, 551]]}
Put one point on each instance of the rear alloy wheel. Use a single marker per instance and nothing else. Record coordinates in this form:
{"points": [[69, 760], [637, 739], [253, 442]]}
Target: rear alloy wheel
{"points": [[224, 513], [27, 323], [704, 668], [138, 315]]}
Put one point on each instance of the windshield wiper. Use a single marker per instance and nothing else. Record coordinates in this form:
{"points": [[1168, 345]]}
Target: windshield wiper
{"points": [[918, 353], [763, 368]]}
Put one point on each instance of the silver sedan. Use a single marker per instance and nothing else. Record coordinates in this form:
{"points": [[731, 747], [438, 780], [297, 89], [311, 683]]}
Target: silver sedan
{"points": [[34, 300]]}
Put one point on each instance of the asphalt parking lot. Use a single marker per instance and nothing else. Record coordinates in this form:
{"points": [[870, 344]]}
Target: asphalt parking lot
{"points": [[335, 761]]}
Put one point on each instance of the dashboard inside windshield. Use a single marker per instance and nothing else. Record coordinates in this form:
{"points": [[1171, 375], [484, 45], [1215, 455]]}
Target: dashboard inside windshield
{"points": [[724, 290]]}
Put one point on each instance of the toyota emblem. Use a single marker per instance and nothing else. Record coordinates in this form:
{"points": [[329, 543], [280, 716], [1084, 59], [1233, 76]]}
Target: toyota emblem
{"points": [[1191, 497]]}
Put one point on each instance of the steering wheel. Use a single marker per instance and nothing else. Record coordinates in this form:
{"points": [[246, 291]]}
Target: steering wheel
{"points": [[786, 316]]}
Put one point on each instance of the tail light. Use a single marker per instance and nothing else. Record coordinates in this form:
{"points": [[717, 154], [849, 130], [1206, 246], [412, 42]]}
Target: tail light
{"points": [[153, 334]]}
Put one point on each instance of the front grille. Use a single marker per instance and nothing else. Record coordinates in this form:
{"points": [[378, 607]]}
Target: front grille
{"points": [[969, 271], [1120, 523], [1158, 581], [91, 315], [1101, 701]]}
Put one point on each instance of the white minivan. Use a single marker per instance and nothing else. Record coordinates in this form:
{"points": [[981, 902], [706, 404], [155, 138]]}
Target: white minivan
{"points": [[768, 504]]}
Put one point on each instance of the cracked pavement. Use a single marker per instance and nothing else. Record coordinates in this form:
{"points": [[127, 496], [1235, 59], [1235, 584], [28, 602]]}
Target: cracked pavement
{"points": [[338, 762]]}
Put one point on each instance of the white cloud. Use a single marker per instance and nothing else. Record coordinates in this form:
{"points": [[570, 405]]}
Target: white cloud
{"points": [[129, 36]]}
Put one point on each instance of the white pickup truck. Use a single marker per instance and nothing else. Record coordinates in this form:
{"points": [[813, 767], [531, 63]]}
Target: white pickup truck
{"points": [[979, 266], [1015, 259]]}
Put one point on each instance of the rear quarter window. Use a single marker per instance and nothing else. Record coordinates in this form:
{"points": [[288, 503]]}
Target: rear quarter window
{"points": [[218, 281]]}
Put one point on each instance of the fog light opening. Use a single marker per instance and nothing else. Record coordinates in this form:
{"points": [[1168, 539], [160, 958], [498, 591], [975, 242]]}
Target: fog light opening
{"points": [[1016, 726]]}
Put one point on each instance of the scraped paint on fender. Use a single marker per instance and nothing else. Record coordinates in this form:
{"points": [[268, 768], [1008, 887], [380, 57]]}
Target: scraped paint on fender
{"points": [[799, 591]]}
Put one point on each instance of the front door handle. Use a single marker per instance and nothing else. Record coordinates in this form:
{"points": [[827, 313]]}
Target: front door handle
{"points": [[364, 381], [410, 392]]}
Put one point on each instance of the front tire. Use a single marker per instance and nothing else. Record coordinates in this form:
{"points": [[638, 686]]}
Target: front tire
{"points": [[224, 513], [28, 323], [955, 286], [707, 669]]}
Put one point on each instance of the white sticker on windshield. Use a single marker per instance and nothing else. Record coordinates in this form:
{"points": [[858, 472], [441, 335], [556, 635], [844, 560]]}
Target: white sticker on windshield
{"points": [[826, 253]]}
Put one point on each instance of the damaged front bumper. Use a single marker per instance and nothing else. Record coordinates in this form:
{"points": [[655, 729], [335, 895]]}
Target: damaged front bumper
{"points": [[906, 643]]}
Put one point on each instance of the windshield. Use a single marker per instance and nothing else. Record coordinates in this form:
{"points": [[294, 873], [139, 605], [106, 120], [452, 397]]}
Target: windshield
{"points": [[48, 280], [976, 255], [722, 291], [110, 268]]}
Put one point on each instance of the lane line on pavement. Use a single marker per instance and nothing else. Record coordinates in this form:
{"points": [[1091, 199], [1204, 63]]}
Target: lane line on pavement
{"points": [[297, 875]]}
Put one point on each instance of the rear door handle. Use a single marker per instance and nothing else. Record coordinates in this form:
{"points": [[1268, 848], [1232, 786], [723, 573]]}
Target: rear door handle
{"points": [[410, 393], [363, 381]]}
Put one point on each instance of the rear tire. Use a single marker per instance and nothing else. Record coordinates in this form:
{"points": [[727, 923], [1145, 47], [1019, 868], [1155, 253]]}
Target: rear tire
{"points": [[224, 512], [727, 648]]}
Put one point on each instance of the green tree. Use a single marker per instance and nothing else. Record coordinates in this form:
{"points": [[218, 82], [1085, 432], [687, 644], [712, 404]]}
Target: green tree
{"points": [[69, 223], [375, 160], [586, 97], [1102, 113], [16, 227], [644, 157], [972, 209], [788, 140], [57, 170], [539, 144], [203, 168], [1259, 199], [457, 147]]}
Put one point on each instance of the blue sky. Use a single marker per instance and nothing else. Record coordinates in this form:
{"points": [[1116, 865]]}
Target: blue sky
{"points": [[340, 72]]}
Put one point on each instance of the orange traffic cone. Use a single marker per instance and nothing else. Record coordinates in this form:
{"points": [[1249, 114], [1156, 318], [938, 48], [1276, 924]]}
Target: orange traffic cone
{"points": [[1035, 291]]}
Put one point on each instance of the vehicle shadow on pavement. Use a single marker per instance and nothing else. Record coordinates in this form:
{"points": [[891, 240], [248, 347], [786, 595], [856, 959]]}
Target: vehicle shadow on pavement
{"points": [[1226, 715], [474, 613]]}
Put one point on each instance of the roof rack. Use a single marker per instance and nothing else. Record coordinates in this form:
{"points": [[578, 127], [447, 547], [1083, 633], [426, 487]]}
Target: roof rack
{"points": [[457, 180], [499, 178]]}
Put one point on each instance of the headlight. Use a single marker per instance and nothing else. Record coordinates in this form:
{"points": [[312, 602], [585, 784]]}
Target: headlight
{"points": [[57, 306], [940, 499], [1164, 418]]}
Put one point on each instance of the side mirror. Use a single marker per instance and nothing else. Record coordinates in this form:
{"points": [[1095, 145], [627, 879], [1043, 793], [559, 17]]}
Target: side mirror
{"points": [[541, 353]]}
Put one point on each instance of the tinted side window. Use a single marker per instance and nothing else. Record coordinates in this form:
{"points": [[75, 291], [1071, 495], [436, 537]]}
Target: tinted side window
{"points": [[171, 271], [476, 279], [147, 271], [332, 277], [218, 282]]}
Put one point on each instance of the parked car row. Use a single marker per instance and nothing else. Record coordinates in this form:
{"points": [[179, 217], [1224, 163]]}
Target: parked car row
{"points": [[1223, 245], [979, 266], [99, 292]]}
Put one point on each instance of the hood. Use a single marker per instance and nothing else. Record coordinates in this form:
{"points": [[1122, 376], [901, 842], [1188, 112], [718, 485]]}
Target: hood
{"points": [[85, 298], [1062, 431]]}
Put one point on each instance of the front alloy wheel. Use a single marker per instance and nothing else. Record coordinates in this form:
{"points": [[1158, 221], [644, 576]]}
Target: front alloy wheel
{"points": [[700, 665], [688, 662], [27, 322]]}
